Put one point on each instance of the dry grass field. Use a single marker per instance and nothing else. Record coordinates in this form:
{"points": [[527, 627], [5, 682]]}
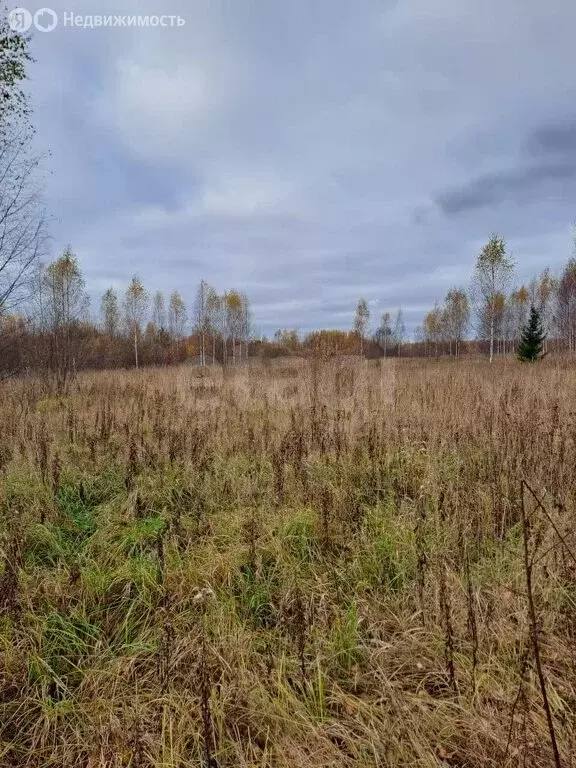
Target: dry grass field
{"points": [[312, 564]]}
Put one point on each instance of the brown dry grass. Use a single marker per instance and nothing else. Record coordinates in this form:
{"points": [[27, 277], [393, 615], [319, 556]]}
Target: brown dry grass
{"points": [[288, 565]]}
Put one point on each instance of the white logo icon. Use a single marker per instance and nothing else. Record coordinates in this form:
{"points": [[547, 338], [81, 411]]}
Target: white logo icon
{"points": [[45, 20], [20, 20]]}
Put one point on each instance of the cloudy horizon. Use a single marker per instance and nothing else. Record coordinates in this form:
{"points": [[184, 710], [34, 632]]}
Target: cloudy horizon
{"points": [[308, 154]]}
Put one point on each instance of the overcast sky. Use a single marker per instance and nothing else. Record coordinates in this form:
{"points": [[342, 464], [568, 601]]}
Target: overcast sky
{"points": [[309, 152]]}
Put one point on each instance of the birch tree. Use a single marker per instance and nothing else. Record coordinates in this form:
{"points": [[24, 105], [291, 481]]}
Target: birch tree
{"points": [[213, 312], [246, 322], [494, 315], [546, 289], [22, 218], [516, 314], [201, 317], [177, 318], [433, 327], [14, 60], [361, 320], [66, 305], [492, 275], [566, 305], [233, 324], [383, 334], [457, 317], [399, 331], [110, 312], [159, 311], [135, 311]]}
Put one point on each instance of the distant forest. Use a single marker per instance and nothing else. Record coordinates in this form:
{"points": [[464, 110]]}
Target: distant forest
{"points": [[52, 329]]}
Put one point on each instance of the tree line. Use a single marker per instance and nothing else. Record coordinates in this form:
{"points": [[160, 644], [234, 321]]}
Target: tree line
{"points": [[135, 327], [58, 335], [493, 314], [488, 317]]}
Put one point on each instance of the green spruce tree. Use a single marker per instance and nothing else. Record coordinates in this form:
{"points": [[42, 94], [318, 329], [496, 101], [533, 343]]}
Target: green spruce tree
{"points": [[532, 339]]}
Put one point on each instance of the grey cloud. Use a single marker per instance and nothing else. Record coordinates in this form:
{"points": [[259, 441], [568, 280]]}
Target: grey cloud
{"points": [[555, 138], [511, 186], [545, 166]]}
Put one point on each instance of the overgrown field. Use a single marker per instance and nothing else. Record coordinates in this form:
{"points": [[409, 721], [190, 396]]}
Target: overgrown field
{"points": [[336, 564]]}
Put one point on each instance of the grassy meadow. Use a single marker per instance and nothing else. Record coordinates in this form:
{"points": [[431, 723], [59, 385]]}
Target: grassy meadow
{"points": [[290, 564]]}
